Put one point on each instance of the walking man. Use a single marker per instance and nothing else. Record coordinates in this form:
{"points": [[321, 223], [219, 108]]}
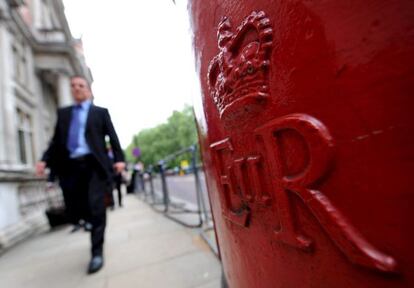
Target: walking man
{"points": [[77, 154]]}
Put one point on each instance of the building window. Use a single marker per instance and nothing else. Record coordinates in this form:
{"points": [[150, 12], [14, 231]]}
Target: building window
{"points": [[20, 64], [25, 137], [23, 64], [46, 15], [16, 66]]}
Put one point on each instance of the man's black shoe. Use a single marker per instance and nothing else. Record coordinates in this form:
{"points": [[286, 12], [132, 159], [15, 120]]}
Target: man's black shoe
{"points": [[87, 226], [96, 264], [76, 228]]}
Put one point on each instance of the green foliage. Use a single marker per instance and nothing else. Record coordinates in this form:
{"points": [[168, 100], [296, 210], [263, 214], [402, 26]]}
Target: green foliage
{"points": [[156, 143]]}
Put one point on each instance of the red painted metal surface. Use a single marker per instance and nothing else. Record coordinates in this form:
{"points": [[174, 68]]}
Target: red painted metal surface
{"points": [[307, 139]]}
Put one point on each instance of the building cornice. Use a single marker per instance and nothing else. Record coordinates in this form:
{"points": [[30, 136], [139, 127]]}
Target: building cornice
{"points": [[58, 48]]}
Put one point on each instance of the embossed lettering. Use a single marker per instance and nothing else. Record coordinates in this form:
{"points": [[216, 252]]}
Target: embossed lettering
{"points": [[257, 194], [320, 146], [239, 215]]}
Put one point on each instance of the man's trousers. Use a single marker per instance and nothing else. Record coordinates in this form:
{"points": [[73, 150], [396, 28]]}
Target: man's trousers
{"points": [[84, 186]]}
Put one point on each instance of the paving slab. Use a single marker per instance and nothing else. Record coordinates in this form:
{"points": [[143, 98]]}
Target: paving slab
{"points": [[142, 249]]}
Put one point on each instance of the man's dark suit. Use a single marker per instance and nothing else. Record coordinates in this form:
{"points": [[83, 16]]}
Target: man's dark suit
{"points": [[85, 181]]}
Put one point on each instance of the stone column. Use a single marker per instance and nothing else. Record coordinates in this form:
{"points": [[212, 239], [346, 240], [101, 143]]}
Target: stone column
{"points": [[8, 137], [63, 90]]}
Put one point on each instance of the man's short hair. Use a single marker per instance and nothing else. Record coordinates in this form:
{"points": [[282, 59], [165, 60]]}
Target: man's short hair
{"points": [[82, 77]]}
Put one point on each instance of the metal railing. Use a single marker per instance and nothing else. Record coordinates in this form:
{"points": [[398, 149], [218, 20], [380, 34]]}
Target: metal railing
{"points": [[155, 190]]}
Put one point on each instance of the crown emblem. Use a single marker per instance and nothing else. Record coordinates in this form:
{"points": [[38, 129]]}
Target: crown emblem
{"points": [[238, 76]]}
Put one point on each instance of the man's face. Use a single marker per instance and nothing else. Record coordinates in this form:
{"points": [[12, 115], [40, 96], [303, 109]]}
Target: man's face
{"points": [[80, 89]]}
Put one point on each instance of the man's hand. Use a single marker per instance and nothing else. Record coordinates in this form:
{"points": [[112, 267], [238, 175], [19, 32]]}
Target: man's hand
{"points": [[40, 168], [119, 167]]}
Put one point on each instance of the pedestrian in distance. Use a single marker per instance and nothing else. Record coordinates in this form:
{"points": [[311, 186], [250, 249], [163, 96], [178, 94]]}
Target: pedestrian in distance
{"points": [[77, 154], [118, 180]]}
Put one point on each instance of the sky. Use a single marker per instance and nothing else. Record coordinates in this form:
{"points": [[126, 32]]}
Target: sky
{"points": [[141, 58]]}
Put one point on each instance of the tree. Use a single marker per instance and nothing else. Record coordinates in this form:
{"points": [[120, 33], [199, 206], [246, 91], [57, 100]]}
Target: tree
{"points": [[162, 140]]}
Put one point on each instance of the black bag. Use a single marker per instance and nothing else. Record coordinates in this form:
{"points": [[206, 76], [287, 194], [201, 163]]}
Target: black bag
{"points": [[56, 216], [56, 212]]}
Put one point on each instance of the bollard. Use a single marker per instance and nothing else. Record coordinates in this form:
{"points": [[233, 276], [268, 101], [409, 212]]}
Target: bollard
{"points": [[200, 200], [151, 183], [165, 196]]}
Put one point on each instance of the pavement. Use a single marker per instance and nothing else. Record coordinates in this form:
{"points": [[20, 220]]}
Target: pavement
{"points": [[142, 249]]}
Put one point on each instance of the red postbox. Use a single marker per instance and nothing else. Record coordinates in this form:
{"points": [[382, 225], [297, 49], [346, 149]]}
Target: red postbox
{"points": [[307, 138]]}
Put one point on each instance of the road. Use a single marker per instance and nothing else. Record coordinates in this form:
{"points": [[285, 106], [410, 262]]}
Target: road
{"points": [[182, 189]]}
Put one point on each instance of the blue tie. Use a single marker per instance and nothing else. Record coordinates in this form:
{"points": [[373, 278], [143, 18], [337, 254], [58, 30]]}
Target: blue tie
{"points": [[74, 129]]}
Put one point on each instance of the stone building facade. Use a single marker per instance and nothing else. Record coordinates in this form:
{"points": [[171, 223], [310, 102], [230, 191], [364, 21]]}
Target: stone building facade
{"points": [[37, 57]]}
